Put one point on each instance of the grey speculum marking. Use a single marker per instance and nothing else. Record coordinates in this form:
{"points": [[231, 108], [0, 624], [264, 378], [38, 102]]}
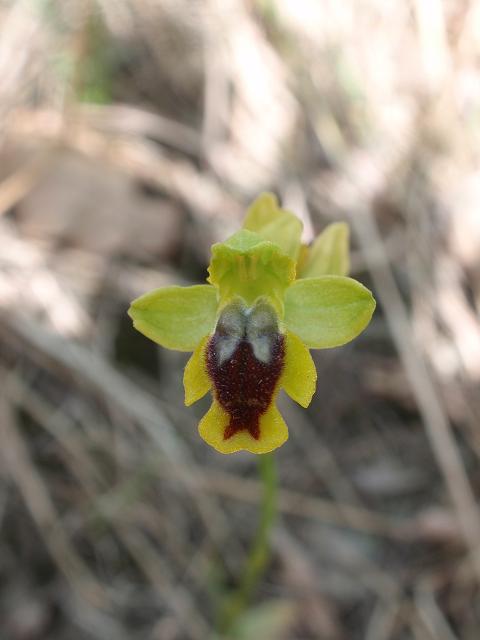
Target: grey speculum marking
{"points": [[245, 359]]}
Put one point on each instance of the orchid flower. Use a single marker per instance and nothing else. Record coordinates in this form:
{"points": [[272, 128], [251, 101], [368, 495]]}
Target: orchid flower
{"points": [[269, 299]]}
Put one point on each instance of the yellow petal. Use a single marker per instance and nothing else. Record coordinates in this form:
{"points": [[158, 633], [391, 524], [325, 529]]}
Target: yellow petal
{"points": [[299, 376], [329, 254], [273, 432], [195, 377], [303, 257]]}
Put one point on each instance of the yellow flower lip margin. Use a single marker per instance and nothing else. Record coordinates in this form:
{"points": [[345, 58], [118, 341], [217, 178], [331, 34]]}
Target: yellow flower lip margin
{"points": [[321, 309]]}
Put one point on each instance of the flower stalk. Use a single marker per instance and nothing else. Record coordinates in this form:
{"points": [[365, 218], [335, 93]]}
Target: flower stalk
{"points": [[259, 554]]}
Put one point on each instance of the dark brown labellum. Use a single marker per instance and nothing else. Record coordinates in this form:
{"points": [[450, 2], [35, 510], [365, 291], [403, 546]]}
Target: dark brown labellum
{"points": [[245, 359]]}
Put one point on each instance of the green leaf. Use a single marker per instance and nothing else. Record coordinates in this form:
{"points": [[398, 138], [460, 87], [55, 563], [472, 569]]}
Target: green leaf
{"points": [[329, 254], [270, 620], [328, 311], [176, 317], [245, 265], [272, 223]]}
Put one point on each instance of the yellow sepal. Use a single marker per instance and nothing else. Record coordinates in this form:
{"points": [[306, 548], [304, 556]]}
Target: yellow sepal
{"points": [[195, 377], [273, 432], [272, 223], [299, 376], [249, 267]]}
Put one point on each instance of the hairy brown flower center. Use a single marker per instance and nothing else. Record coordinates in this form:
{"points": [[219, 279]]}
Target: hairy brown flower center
{"points": [[245, 358]]}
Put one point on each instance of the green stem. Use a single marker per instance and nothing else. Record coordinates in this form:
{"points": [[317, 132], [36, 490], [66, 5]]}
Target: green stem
{"points": [[260, 552]]}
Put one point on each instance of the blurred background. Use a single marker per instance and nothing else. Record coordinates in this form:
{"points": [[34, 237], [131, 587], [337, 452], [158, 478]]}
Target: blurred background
{"points": [[133, 134]]}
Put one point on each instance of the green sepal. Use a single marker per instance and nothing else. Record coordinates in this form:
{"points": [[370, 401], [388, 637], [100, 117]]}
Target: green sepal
{"points": [[176, 317], [248, 266], [327, 311], [272, 223], [329, 254]]}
